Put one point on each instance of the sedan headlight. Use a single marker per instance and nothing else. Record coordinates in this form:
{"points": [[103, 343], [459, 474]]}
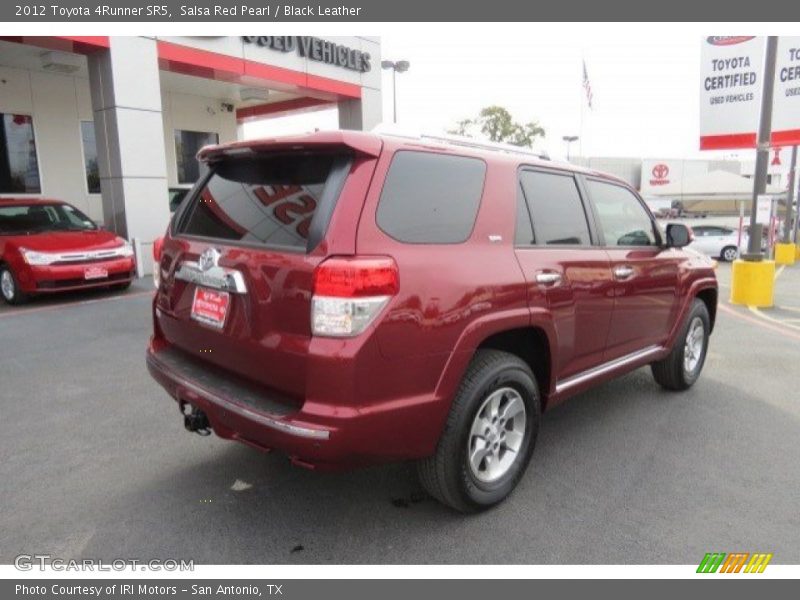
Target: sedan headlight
{"points": [[36, 258], [126, 249]]}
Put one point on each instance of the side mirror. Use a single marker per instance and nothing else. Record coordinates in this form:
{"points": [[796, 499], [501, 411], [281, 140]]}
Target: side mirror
{"points": [[100, 224], [678, 235]]}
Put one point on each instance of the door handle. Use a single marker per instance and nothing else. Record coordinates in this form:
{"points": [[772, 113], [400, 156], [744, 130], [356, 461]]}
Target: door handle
{"points": [[623, 272], [548, 278]]}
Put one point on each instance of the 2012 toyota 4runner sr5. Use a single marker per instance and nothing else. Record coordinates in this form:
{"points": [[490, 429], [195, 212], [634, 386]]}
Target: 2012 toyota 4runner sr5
{"points": [[347, 298]]}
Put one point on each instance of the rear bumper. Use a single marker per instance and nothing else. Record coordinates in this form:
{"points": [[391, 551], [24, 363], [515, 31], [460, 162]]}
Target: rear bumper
{"points": [[311, 436], [62, 278]]}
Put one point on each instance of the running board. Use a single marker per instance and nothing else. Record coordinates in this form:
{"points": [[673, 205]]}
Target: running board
{"points": [[622, 361]]}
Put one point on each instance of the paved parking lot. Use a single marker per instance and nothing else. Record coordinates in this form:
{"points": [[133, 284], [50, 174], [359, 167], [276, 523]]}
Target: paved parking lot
{"points": [[95, 461]]}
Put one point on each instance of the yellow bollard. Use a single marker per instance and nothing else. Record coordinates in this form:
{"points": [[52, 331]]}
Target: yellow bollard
{"points": [[797, 254], [753, 283], [785, 254]]}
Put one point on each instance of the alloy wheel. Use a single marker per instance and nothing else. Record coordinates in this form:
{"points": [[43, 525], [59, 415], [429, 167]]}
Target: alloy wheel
{"points": [[729, 254], [693, 347], [497, 433], [7, 285]]}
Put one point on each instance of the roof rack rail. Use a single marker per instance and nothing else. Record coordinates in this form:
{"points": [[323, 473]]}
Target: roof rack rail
{"points": [[460, 140]]}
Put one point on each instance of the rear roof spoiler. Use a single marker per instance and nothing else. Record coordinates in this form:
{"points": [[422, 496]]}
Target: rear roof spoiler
{"points": [[361, 143]]}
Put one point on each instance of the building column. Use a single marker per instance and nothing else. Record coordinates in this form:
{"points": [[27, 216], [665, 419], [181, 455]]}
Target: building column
{"points": [[364, 113], [126, 101]]}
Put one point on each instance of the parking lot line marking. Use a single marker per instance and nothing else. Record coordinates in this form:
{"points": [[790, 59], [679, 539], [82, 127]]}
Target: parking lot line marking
{"points": [[758, 312], [779, 271], [761, 323], [36, 309]]}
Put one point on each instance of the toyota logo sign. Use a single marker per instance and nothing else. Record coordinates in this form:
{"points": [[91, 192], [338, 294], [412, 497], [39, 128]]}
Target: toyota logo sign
{"points": [[660, 171]]}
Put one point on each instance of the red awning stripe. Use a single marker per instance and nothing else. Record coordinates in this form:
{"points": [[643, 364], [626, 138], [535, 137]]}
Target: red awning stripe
{"points": [[212, 65]]}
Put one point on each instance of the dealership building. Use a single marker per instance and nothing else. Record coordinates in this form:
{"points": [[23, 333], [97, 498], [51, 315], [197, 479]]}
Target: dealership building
{"points": [[711, 186], [111, 124]]}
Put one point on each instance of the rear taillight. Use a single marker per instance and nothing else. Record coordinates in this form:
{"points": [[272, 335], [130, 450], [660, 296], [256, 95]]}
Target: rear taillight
{"points": [[350, 292], [158, 246]]}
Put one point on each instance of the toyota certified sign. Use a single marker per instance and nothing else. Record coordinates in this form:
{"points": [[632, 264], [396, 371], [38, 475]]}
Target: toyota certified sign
{"points": [[728, 40], [786, 111], [732, 69], [730, 91]]}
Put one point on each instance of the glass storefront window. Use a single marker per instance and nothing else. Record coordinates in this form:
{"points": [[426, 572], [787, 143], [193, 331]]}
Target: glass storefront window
{"points": [[187, 144], [19, 167], [90, 157]]}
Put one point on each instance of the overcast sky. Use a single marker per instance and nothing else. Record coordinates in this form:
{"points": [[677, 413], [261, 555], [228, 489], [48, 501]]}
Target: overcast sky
{"points": [[645, 86]]}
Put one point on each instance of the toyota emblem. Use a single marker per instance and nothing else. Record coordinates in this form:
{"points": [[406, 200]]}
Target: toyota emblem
{"points": [[209, 259], [660, 171]]}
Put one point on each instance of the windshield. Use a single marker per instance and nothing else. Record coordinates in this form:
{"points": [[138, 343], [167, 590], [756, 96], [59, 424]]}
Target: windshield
{"points": [[39, 218]]}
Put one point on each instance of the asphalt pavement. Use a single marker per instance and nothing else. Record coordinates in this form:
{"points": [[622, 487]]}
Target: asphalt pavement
{"points": [[94, 461]]}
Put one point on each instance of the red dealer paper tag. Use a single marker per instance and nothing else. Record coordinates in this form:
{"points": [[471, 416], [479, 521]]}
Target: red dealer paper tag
{"points": [[95, 273], [210, 307]]}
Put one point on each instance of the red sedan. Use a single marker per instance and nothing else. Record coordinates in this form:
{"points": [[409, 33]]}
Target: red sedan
{"points": [[50, 246]]}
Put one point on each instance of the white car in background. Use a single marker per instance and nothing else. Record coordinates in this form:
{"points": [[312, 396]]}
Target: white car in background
{"points": [[718, 241]]}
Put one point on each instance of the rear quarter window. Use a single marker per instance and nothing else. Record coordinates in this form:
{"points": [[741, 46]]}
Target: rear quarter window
{"points": [[430, 198]]}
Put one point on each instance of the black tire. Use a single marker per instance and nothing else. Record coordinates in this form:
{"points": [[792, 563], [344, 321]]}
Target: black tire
{"points": [[672, 372], [729, 253], [16, 296], [447, 475]]}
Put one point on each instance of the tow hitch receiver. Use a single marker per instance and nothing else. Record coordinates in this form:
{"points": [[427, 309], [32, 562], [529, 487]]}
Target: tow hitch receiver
{"points": [[194, 419]]}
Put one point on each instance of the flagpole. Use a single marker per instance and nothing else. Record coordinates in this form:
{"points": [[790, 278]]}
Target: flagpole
{"points": [[582, 94]]}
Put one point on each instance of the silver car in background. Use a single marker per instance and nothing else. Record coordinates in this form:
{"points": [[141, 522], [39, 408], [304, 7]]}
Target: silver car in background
{"points": [[718, 241]]}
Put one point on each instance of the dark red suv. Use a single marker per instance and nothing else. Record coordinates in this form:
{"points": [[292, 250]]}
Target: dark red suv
{"points": [[348, 298]]}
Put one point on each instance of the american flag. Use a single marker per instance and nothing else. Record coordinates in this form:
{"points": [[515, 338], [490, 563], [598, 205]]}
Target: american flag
{"points": [[587, 86]]}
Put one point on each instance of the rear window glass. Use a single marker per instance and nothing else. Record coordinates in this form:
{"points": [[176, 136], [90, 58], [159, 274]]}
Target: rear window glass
{"points": [[265, 200], [431, 198]]}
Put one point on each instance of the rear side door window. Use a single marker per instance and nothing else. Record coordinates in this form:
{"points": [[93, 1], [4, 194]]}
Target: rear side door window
{"points": [[621, 215], [431, 198], [556, 209]]}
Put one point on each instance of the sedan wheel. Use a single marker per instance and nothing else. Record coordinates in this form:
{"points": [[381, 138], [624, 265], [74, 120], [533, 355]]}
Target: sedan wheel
{"points": [[7, 285], [9, 289], [729, 254]]}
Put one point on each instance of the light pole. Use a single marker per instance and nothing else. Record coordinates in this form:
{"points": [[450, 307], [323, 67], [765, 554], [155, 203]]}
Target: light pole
{"points": [[399, 66], [569, 139], [790, 198], [754, 253]]}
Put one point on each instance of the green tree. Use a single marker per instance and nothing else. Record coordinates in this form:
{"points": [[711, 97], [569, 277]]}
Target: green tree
{"points": [[497, 125]]}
